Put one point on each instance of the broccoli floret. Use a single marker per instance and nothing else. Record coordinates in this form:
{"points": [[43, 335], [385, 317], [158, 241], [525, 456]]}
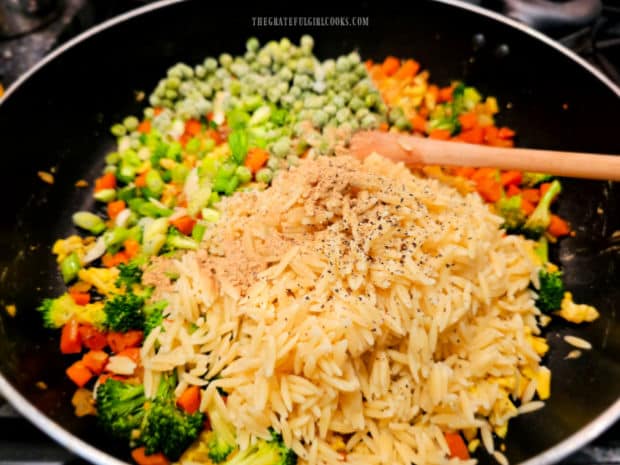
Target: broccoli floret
{"points": [[129, 274], [272, 452], [56, 312], [153, 315], [221, 440], [166, 428], [551, 290], [540, 218], [510, 209], [120, 407], [124, 312], [534, 179]]}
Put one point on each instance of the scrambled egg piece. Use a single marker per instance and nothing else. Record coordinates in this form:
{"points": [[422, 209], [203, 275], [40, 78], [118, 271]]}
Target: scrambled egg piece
{"points": [[539, 344], [473, 445], [62, 248], [543, 383], [102, 278], [576, 313]]}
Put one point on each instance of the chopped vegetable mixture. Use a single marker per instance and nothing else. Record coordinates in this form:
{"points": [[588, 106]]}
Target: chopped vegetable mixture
{"points": [[233, 123]]}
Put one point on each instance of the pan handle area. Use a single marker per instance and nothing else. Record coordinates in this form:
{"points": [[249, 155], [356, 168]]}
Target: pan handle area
{"points": [[548, 14]]}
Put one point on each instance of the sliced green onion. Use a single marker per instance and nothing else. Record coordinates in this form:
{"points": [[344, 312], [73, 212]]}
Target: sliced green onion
{"points": [[89, 221], [69, 267], [105, 195]]}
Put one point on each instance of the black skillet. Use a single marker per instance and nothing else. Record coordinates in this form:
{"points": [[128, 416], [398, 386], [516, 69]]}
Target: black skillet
{"points": [[58, 116]]}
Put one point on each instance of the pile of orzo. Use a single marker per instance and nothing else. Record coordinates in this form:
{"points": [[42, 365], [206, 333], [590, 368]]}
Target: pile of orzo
{"points": [[356, 308]]}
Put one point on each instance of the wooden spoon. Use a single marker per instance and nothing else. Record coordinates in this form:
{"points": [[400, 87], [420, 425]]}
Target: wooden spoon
{"points": [[416, 151]]}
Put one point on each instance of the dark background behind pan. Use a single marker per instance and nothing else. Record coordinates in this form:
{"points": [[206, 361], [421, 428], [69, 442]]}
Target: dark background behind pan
{"points": [[59, 118]]}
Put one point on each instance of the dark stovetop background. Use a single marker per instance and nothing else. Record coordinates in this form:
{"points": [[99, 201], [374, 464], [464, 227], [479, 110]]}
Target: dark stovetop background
{"points": [[23, 444]]}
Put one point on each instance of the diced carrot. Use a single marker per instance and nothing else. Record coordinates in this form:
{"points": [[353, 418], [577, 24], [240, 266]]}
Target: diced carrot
{"points": [[107, 181], [440, 134], [445, 94], [141, 179], [465, 171], [157, 110], [468, 120], [79, 373], [92, 338], [144, 127], [418, 123], [95, 361], [558, 227], [544, 187], [457, 446], [408, 69], [131, 352], [193, 127], [433, 90], [184, 224], [490, 133], [489, 189], [512, 190], [121, 341], [390, 65], [80, 298], [256, 159], [132, 247], [190, 399], [505, 133], [139, 455], [531, 195], [215, 135], [184, 139], [109, 260], [512, 177], [527, 206], [485, 173], [497, 142], [368, 64], [384, 127], [114, 208], [70, 341], [472, 136]]}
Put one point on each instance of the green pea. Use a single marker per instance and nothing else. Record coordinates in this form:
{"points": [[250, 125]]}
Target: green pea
{"points": [[356, 103], [173, 83], [361, 113], [343, 115], [210, 64], [319, 118], [175, 72], [285, 44], [154, 182], [292, 160], [244, 174], [307, 42], [154, 100], [342, 64], [149, 113], [179, 173], [371, 100], [369, 121], [112, 158], [171, 95], [131, 123], [264, 175], [210, 215], [252, 44], [118, 130]]}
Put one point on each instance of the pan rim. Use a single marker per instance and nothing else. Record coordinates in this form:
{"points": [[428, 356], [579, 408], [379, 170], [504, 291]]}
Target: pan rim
{"points": [[88, 452]]}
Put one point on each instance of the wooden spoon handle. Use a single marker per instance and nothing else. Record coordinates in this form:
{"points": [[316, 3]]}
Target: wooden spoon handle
{"points": [[414, 150]]}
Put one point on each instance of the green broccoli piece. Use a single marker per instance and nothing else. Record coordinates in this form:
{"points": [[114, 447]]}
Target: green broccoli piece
{"points": [[551, 290], [221, 440], [534, 179], [129, 274], [540, 218], [124, 312], [510, 209], [166, 428], [272, 452], [153, 315], [56, 312], [120, 407]]}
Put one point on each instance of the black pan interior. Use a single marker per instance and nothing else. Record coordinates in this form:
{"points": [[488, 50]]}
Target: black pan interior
{"points": [[59, 119]]}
